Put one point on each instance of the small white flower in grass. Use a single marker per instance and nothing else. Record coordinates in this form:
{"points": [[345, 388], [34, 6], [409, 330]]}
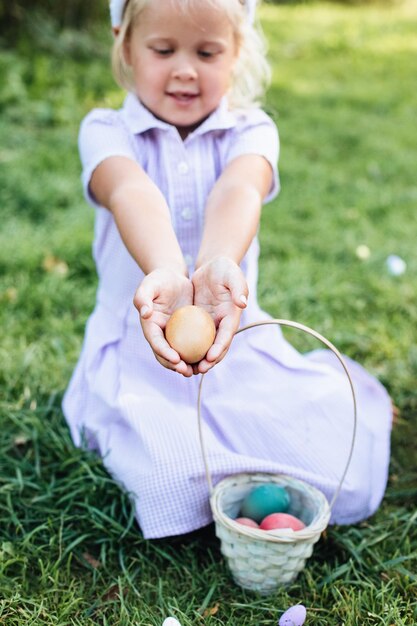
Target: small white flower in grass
{"points": [[395, 265], [363, 252], [55, 266], [171, 621]]}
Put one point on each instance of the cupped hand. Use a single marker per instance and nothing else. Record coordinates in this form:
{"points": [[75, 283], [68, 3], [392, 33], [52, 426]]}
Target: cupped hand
{"points": [[159, 294], [220, 287]]}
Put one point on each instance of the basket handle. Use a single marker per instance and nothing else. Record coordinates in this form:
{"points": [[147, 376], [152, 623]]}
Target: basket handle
{"points": [[335, 351]]}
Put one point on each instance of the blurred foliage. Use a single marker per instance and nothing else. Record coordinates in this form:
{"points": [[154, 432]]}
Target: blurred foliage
{"points": [[53, 33], [20, 17], [24, 18]]}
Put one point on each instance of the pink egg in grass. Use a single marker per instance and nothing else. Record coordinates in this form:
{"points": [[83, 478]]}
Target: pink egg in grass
{"points": [[246, 521], [275, 521]]}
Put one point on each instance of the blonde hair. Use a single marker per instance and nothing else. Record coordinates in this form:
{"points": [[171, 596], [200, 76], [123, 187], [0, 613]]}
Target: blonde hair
{"points": [[251, 74]]}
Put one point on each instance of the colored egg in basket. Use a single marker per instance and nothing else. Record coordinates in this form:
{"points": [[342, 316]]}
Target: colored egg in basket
{"points": [[263, 560]]}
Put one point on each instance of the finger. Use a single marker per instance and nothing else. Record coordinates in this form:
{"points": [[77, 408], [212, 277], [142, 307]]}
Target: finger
{"points": [[204, 366], [162, 348], [171, 357], [238, 288], [185, 369], [241, 302], [154, 335], [221, 345], [240, 296], [143, 301], [223, 339], [180, 368], [146, 311], [216, 354], [215, 351]]}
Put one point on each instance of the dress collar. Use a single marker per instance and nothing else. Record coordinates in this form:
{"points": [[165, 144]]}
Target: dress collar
{"points": [[139, 119]]}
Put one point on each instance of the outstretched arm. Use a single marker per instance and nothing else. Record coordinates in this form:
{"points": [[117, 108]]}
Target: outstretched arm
{"points": [[231, 222], [143, 219]]}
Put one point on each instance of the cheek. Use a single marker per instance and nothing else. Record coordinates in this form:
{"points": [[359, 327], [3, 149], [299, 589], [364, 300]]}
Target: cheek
{"points": [[154, 72], [145, 76], [227, 75], [151, 86], [220, 77]]}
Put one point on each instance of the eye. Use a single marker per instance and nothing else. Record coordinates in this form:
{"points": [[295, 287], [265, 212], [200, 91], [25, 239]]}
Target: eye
{"points": [[163, 52], [208, 55], [205, 54]]}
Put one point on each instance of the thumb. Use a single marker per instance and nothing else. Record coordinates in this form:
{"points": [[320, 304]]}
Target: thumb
{"points": [[144, 306], [239, 291], [143, 301]]}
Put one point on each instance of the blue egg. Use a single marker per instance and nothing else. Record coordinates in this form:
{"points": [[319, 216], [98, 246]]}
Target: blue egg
{"points": [[294, 616], [264, 500]]}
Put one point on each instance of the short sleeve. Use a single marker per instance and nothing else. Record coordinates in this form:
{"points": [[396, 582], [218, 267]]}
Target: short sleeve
{"points": [[256, 133], [102, 135]]}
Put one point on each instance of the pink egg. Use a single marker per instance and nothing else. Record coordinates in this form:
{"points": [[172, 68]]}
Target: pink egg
{"points": [[281, 520], [246, 521]]}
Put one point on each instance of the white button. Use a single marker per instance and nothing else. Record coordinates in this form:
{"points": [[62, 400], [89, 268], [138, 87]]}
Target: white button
{"points": [[187, 213], [188, 259], [183, 167]]}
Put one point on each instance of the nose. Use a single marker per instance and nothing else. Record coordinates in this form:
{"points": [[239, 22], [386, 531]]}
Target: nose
{"points": [[184, 69]]}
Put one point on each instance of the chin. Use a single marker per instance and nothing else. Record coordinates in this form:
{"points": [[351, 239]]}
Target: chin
{"points": [[191, 122]]}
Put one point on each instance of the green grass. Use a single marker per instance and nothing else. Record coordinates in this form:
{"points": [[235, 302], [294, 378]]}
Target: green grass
{"points": [[344, 98]]}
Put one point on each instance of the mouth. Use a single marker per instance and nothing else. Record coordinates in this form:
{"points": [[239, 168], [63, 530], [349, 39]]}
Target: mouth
{"points": [[182, 96]]}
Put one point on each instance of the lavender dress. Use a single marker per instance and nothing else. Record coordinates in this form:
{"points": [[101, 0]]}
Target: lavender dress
{"points": [[266, 407]]}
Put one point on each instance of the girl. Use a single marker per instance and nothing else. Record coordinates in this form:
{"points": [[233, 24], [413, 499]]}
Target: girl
{"points": [[178, 177]]}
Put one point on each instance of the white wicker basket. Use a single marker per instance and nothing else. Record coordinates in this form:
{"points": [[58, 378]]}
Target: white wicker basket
{"points": [[262, 561]]}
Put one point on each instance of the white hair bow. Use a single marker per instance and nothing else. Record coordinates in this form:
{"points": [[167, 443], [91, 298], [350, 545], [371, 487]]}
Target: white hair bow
{"points": [[117, 6]]}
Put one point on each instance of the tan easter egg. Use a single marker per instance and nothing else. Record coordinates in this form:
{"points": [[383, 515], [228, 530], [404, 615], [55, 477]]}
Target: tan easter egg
{"points": [[190, 331]]}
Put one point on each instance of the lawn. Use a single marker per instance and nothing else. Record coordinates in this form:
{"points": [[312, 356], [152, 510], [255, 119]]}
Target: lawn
{"points": [[344, 97]]}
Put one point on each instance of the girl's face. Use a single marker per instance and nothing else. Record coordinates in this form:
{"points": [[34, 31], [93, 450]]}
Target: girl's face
{"points": [[182, 63]]}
